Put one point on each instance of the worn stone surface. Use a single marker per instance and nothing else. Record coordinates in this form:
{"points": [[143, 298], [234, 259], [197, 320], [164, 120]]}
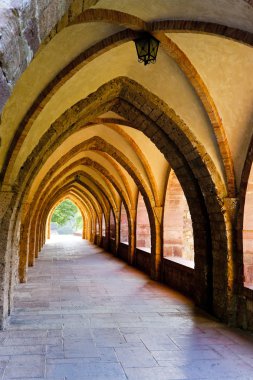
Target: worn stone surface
{"points": [[84, 314], [23, 27]]}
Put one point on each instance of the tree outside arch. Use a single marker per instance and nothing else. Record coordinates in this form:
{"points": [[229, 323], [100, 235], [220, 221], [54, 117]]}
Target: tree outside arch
{"points": [[66, 218]]}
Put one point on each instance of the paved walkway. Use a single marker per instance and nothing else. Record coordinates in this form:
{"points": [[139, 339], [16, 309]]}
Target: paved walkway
{"points": [[86, 315]]}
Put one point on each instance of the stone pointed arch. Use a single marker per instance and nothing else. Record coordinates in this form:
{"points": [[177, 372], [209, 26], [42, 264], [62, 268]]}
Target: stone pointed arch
{"points": [[197, 174]]}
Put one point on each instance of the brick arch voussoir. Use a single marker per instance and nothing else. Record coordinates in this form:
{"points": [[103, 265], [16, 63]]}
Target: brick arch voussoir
{"points": [[129, 21], [100, 145], [66, 187], [204, 95], [102, 46], [70, 182], [48, 218], [73, 199], [200, 181], [159, 28], [87, 195], [158, 115], [116, 165], [44, 97], [109, 178], [174, 136], [106, 200], [43, 213], [67, 194], [157, 121], [59, 195], [139, 153], [146, 195], [127, 165], [194, 168], [61, 129], [42, 190]]}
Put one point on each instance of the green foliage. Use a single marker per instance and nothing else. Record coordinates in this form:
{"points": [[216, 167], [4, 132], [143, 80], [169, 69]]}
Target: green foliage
{"points": [[78, 224], [65, 212]]}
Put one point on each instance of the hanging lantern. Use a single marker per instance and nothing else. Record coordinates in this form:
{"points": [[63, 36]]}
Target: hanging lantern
{"points": [[147, 47]]}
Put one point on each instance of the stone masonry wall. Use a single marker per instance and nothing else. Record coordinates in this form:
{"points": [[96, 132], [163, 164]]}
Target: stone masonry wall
{"points": [[24, 27]]}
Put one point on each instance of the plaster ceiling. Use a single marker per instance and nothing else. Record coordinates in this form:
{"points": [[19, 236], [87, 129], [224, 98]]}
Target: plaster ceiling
{"points": [[238, 14], [224, 67]]}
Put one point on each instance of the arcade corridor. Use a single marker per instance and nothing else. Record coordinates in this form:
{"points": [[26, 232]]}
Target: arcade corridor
{"points": [[156, 159], [84, 314]]}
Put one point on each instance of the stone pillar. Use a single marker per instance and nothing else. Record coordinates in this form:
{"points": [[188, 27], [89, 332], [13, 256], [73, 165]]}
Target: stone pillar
{"points": [[84, 227], [93, 230], [6, 211], [231, 207], [32, 243], [99, 232], [132, 237], [107, 234], [37, 241], [88, 230], [117, 231], [100, 239], [23, 243], [156, 244], [48, 230]]}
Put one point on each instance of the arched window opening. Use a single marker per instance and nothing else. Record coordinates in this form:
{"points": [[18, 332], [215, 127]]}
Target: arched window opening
{"points": [[112, 225], [124, 238], [103, 226], [177, 232], [248, 233], [143, 234], [66, 219]]}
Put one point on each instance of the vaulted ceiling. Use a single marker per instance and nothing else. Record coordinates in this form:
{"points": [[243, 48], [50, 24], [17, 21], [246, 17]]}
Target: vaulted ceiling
{"points": [[203, 74]]}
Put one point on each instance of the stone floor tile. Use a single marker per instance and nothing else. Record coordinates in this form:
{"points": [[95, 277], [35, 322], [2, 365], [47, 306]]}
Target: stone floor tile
{"points": [[156, 373], [86, 371], [135, 357], [80, 348], [87, 315], [25, 366], [22, 350], [32, 341], [186, 354], [33, 378]]}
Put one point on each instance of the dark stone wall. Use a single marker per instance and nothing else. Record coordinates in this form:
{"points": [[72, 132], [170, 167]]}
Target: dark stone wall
{"points": [[178, 277]]}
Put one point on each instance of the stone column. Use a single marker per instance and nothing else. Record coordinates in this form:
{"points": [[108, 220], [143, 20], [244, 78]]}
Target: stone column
{"points": [[6, 211], [132, 237], [99, 240], [84, 228], [107, 233], [156, 244], [23, 243], [93, 230], [32, 243], [117, 231], [37, 241], [231, 207]]}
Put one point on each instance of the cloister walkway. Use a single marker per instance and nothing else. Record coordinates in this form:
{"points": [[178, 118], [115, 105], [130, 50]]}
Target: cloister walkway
{"points": [[83, 314]]}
